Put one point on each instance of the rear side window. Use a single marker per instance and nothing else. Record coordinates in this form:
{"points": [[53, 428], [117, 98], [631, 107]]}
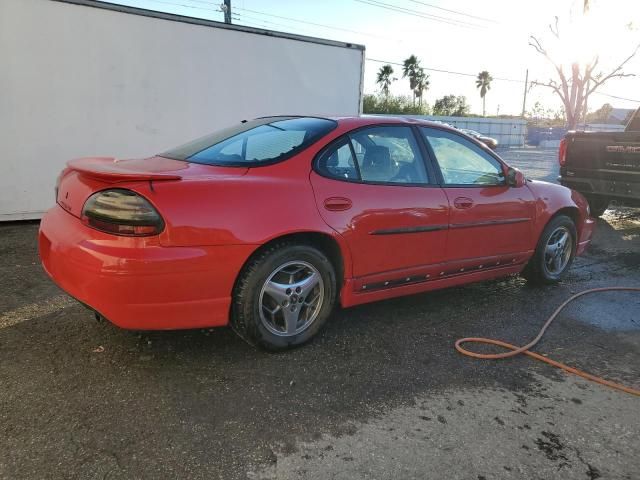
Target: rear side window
{"points": [[260, 141], [384, 154]]}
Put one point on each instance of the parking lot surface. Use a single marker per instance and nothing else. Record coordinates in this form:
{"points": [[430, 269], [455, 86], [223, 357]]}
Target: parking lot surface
{"points": [[381, 394]]}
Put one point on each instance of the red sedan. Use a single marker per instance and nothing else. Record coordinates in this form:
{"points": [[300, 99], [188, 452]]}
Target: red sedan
{"points": [[267, 225]]}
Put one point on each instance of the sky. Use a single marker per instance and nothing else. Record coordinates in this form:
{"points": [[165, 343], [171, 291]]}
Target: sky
{"points": [[459, 36]]}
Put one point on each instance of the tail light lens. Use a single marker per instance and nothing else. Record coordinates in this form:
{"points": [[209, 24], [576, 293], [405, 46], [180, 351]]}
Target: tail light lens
{"points": [[562, 152], [121, 212]]}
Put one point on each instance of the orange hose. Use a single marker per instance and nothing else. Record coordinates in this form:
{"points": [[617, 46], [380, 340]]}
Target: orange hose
{"points": [[525, 349]]}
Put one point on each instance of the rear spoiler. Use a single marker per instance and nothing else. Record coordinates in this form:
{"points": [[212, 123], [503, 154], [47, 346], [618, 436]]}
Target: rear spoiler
{"points": [[111, 170]]}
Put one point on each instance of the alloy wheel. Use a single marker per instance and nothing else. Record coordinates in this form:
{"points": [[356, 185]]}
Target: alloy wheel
{"points": [[558, 251], [291, 298]]}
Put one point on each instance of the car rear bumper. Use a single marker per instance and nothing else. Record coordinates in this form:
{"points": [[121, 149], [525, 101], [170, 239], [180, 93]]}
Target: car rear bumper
{"points": [[613, 189], [134, 282]]}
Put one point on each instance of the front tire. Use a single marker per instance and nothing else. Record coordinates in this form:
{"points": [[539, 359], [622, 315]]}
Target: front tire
{"points": [[283, 296], [554, 253]]}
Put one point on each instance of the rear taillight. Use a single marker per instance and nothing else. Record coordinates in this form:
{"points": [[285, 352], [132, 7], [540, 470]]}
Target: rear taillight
{"points": [[121, 212], [562, 152]]}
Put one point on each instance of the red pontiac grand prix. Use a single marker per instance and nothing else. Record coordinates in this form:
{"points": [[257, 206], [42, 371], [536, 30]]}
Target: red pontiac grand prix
{"points": [[267, 225]]}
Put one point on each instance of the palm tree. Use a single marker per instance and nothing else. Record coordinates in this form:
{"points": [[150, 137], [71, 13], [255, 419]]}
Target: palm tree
{"points": [[422, 84], [483, 82], [384, 79], [410, 69]]}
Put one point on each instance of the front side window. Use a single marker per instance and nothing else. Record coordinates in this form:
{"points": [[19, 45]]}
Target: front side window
{"points": [[461, 161], [385, 154], [263, 140]]}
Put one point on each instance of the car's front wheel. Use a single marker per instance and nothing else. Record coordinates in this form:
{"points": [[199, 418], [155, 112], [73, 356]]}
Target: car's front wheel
{"points": [[554, 253], [283, 296]]}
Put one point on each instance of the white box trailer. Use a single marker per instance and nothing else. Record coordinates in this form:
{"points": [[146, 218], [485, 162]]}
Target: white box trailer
{"points": [[87, 78]]}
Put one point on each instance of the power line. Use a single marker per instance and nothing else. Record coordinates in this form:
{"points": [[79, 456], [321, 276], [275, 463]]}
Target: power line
{"points": [[454, 11], [311, 23], [418, 14], [186, 5], [445, 71], [615, 96], [265, 23], [495, 78]]}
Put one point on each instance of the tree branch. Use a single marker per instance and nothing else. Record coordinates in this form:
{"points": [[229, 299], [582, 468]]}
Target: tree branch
{"points": [[616, 72]]}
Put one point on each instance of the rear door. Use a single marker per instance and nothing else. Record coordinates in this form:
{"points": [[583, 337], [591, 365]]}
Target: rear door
{"points": [[489, 221], [374, 187]]}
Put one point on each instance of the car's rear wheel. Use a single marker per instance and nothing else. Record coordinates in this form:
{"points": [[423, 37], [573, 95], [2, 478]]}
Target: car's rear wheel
{"points": [[598, 205], [554, 253], [283, 296]]}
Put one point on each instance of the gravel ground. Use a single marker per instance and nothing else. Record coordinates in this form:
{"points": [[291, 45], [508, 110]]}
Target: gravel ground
{"points": [[381, 394]]}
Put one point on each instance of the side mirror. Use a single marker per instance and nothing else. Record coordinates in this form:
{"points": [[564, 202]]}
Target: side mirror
{"points": [[515, 178]]}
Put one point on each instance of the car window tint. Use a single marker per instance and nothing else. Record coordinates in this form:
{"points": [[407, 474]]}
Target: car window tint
{"points": [[258, 141], [338, 162], [271, 142], [389, 154], [461, 161]]}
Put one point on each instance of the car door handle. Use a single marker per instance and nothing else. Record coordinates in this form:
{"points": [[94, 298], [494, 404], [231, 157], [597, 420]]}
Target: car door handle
{"points": [[463, 202], [337, 204]]}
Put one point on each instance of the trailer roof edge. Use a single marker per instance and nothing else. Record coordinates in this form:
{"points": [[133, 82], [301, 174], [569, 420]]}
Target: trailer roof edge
{"points": [[209, 23]]}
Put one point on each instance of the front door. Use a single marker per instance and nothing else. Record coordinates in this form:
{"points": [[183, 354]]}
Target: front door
{"points": [[374, 188], [488, 219]]}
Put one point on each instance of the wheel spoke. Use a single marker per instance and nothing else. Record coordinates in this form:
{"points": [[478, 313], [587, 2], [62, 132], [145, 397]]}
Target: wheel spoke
{"points": [[557, 263], [306, 285], [563, 240], [277, 291], [291, 318], [551, 249]]}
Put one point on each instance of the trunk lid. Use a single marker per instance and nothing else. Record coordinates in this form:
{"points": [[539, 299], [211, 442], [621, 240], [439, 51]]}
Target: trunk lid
{"points": [[85, 176]]}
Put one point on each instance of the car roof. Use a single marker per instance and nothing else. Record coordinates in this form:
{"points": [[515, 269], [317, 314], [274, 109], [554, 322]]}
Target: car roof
{"points": [[356, 121]]}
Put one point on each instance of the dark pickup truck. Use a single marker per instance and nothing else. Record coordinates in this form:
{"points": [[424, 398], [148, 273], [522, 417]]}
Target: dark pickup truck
{"points": [[603, 166]]}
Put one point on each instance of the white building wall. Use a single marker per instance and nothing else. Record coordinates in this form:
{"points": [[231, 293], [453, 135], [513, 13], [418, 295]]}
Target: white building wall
{"points": [[79, 81]]}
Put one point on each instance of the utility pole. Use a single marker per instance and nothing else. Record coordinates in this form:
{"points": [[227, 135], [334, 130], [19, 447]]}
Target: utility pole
{"points": [[524, 99], [226, 8]]}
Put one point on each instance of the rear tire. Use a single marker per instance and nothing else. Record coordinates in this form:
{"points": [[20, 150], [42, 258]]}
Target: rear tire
{"points": [[283, 296], [554, 253], [598, 205]]}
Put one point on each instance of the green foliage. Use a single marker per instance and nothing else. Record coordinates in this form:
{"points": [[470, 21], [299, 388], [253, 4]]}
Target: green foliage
{"points": [[540, 116], [601, 115], [392, 105], [418, 79], [384, 79], [483, 82], [451, 106]]}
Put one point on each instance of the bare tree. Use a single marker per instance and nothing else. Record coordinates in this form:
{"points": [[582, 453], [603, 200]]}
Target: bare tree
{"points": [[575, 85]]}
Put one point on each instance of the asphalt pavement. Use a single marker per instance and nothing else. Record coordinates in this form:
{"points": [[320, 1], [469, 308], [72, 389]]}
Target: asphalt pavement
{"points": [[380, 394]]}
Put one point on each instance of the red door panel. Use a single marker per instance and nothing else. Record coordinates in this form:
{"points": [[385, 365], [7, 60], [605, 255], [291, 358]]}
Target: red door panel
{"points": [[387, 227], [488, 221]]}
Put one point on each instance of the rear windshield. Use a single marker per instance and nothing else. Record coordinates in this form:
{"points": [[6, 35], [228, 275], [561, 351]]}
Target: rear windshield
{"points": [[257, 142]]}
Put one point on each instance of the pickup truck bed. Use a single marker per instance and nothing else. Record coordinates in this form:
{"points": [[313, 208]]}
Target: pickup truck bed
{"points": [[603, 166]]}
